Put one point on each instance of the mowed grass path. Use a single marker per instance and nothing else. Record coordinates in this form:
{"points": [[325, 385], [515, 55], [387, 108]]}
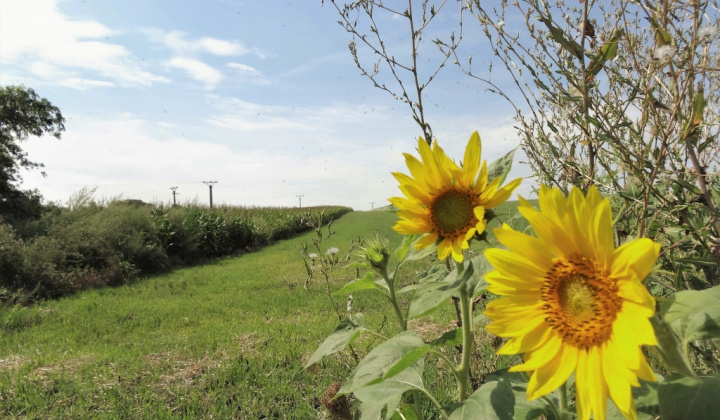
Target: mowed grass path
{"points": [[224, 340], [227, 339]]}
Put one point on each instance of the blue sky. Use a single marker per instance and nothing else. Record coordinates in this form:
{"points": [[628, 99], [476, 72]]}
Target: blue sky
{"points": [[262, 96]]}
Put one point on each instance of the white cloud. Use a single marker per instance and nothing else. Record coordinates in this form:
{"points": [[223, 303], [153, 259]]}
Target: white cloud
{"points": [[198, 70], [180, 44], [33, 33], [248, 74]]}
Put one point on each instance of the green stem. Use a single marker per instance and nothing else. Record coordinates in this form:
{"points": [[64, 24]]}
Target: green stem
{"points": [[433, 400], [463, 369], [675, 359], [553, 407], [393, 299]]}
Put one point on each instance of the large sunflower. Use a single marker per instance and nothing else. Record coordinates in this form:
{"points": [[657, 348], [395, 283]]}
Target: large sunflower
{"points": [[573, 302], [445, 202]]}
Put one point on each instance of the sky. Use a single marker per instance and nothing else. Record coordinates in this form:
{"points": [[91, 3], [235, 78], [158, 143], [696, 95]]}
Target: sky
{"points": [[261, 96]]}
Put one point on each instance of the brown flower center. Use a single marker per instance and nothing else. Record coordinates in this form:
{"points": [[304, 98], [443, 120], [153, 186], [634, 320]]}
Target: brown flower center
{"points": [[452, 212], [581, 301]]}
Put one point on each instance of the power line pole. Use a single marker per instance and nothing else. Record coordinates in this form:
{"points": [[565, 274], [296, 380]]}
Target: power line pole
{"points": [[174, 190], [372, 205], [210, 184], [300, 198]]}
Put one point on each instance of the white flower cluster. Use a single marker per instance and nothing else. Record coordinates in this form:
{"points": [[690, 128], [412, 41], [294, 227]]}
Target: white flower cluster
{"points": [[665, 53], [707, 33]]}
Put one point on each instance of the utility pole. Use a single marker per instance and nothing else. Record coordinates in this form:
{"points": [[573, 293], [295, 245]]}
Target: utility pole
{"points": [[372, 205], [174, 189], [210, 184], [300, 198]]}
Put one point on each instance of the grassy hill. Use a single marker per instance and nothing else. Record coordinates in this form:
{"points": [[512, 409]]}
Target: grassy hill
{"points": [[223, 340]]}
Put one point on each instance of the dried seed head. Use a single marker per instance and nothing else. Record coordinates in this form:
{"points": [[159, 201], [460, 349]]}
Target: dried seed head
{"points": [[339, 408]]}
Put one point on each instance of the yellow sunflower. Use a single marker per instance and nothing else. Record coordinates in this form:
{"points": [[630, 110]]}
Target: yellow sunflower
{"points": [[445, 202], [573, 302]]}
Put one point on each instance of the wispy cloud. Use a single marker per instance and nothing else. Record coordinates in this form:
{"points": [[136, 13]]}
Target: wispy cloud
{"points": [[248, 74], [181, 44], [198, 71], [34, 31]]}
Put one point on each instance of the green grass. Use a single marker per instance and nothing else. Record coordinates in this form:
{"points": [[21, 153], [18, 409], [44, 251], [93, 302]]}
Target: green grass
{"points": [[223, 340]]}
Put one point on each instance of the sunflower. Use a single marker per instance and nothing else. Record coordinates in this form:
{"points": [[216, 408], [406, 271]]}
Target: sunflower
{"points": [[574, 303], [445, 202]]}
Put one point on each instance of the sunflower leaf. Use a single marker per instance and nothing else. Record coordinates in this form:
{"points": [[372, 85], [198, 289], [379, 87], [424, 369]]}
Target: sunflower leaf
{"points": [[365, 283], [689, 398], [386, 395], [432, 294], [383, 363], [477, 283], [503, 396], [693, 314], [501, 167], [345, 333]]}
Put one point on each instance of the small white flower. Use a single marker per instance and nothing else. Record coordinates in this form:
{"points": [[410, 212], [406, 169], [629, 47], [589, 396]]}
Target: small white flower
{"points": [[707, 33], [332, 251], [312, 256], [500, 24], [665, 53]]}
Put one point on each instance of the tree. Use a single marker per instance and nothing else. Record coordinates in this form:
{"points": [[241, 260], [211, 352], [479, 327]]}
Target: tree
{"points": [[22, 114]]}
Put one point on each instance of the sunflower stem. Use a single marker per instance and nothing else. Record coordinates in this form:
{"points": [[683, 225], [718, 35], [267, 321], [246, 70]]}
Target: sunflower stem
{"points": [[463, 368], [393, 299]]}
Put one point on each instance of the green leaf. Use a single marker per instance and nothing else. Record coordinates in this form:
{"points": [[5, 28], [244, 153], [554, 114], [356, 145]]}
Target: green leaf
{"points": [[503, 396], [694, 315], [477, 283], [379, 363], [607, 52], [345, 333], [431, 295], [405, 246], [386, 395], [689, 398], [450, 338], [405, 412], [408, 252], [365, 283], [501, 167], [559, 35]]}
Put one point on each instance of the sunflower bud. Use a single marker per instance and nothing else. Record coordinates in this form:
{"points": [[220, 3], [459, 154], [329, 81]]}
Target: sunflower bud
{"points": [[377, 252]]}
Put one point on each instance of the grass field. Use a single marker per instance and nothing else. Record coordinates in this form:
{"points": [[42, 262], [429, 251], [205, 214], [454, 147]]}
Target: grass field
{"points": [[223, 340]]}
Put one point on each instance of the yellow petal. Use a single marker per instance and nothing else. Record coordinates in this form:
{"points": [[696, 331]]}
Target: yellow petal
{"points": [[591, 389], [417, 170], [457, 250], [549, 232], [471, 160], [618, 385], [407, 227], [531, 248], [514, 265], [549, 377], [426, 241], [503, 194], [444, 249], [482, 179], [635, 258], [601, 233], [541, 356], [530, 341]]}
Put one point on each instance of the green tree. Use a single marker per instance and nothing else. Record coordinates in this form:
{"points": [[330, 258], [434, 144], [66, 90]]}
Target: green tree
{"points": [[22, 114]]}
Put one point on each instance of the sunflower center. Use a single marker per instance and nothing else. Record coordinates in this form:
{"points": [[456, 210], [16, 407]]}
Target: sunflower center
{"points": [[452, 212], [581, 301]]}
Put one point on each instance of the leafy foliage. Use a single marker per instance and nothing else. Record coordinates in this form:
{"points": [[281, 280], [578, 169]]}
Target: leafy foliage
{"points": [[22, 114]]}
